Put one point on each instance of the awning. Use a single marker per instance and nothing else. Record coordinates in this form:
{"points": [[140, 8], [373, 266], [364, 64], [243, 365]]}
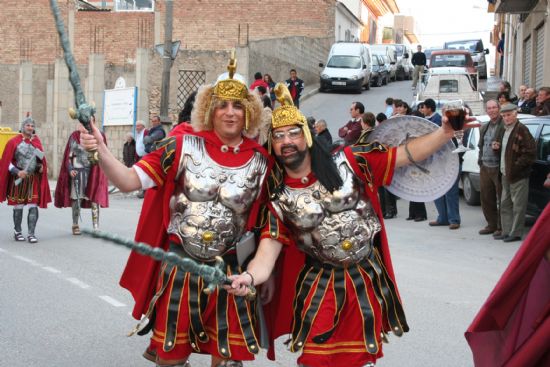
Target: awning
{"points": [[515, 6]]}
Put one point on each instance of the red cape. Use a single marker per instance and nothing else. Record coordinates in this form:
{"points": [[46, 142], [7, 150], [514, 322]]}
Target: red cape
{"points": [[96, 190], [141, 272], [492, 335], [279, 312], [7, 158]]}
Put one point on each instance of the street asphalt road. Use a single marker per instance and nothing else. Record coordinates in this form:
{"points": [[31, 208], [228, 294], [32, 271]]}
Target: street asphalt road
{"points": [[60, 303]]}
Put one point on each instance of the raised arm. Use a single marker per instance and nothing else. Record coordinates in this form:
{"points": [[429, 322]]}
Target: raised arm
{"points": [[424, 146], [125, 178]]}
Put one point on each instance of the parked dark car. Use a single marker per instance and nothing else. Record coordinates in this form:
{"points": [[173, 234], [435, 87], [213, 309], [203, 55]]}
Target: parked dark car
{"points": [[539, 196], [380, 73]]}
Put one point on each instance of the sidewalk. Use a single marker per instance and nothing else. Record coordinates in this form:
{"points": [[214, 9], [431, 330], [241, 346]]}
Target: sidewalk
{"points": [[309, 90]]}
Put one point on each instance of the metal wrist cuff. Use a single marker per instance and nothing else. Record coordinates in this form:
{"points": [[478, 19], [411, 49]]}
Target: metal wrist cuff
{"points": [[251, 277]]}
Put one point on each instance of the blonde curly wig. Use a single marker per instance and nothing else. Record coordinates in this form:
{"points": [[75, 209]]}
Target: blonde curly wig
{"points": [[206, 102]]}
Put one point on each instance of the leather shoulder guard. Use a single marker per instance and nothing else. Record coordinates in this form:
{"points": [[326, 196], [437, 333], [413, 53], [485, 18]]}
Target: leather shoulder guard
{"points": [[169, 149]]}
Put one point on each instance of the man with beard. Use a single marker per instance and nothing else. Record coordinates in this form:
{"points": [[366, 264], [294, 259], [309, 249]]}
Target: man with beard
{"points": [[324, 210], [209, 184], [80, 184], [25, 178]]}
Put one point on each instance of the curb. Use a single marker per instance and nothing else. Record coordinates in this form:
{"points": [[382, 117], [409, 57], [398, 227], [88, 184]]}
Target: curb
{"points": [[309, 94]]}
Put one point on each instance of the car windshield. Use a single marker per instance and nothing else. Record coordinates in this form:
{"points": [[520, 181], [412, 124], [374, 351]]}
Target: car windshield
{"points": [[448, 60], [344, 62], [448, 86], [463, 45]]}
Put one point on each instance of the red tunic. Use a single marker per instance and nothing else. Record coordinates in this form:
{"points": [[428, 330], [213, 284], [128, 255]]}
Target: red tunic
{"points": [[41, 189], [512, 328], [141, 275], [96, 189], [347, 346]]}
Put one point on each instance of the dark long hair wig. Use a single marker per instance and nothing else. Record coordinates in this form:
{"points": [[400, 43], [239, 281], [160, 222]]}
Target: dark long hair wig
{"points": [[323, 166]]}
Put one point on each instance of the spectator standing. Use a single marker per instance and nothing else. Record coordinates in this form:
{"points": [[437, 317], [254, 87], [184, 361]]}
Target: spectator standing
{"points": [[258, 81], [500, 51], [530, 101], [521, 95], [419, 62], [503, 98], [154, 134], [368, 122], [129, 151], [141, 132], [448, 212], [322, 132], [296, 86], [387, 199], [430, 112], [506, 87], [389, 107], [543, 102], [518, 152], [271, 84], [266, 100], [490, 139], [351, 131]]}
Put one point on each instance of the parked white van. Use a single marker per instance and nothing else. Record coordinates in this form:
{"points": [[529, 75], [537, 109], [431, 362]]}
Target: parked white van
{"points": [[386, 50], [348, 67]]}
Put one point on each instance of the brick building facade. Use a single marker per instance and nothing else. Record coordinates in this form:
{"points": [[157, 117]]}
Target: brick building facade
{"points": [[270, 36]]}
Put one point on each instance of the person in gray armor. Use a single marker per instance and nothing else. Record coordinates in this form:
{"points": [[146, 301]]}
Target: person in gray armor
{"points": [[80, 184], [24, 180], [324, 212], [205, 193]]}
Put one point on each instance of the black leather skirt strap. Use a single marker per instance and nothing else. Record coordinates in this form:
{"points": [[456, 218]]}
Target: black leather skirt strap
{"points": [[339, 286], [394, 308], [299, 336], [246, 322], [174, 310], [366, 309], [223, 327], [307, 277], [196, 330]]}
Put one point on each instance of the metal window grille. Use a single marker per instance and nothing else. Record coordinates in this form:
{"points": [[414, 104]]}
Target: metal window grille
{"points": [[188, 82], [527, 61], [539, 56]]}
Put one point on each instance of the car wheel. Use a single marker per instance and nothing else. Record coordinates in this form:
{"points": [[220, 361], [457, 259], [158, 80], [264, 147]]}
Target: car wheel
{"points": [[379, 81], [385, 81], [367, 86], [471, 196]]}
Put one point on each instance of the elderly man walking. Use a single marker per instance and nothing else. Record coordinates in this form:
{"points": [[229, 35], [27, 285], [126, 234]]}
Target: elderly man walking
{"points": [[517, 155], [490, 137]]}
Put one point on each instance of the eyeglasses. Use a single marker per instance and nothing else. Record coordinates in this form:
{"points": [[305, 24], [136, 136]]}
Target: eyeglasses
{"points": [[293, 134]]}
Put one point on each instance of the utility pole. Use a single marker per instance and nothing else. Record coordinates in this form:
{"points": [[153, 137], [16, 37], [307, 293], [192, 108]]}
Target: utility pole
{"points": [[167, 64]]}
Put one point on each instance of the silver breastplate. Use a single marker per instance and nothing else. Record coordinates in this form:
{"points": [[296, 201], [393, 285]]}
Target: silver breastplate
{"points": [[211, 203], [78, 156], [335, 228], [25, 158]]}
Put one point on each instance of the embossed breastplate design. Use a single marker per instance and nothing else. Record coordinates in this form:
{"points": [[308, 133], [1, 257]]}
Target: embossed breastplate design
{"points": [[78, 156], [211, 203], [25, 158], [336, 228]]}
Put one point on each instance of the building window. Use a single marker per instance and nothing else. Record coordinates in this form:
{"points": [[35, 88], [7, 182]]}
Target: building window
{"points": [[134, 5]]}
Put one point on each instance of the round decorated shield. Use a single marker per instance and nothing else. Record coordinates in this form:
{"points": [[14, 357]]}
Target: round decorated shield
{"points": [[429, 179]]}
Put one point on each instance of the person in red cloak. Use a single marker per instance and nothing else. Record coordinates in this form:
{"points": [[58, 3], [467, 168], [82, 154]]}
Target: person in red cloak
{"points": [[342, 300], [512, 328], [80, 184], [208, 189], [24, 181]]}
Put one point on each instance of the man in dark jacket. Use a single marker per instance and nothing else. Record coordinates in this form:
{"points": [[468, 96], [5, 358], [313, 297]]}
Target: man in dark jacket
{"points": [[530, 101], [419, 62], [543, 102], [322, 132], [296, 86], [154, 134], [490, 136], [518, 153]]}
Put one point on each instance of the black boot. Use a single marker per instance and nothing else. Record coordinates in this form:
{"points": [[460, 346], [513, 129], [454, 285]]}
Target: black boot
{"points": [[32, 218], [17, 220]]}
